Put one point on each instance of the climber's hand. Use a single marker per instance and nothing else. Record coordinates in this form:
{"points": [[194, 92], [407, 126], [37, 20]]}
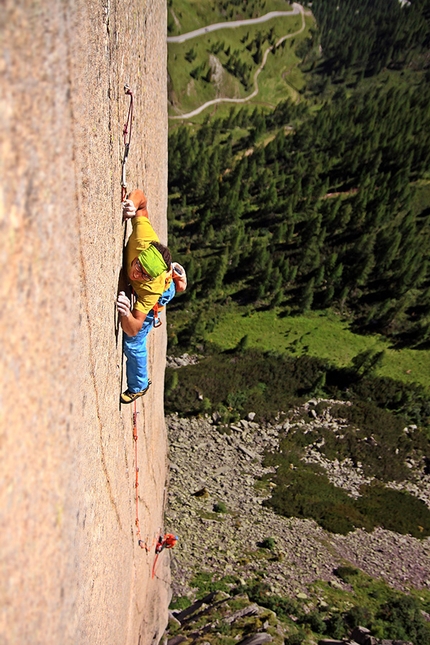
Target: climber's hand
{"points": [[178, 268], [128, 209], [123, 304], [179, 277]]}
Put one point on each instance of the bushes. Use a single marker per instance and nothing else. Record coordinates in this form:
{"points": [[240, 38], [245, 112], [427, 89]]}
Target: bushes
{"points": [[242, 382], [267, 543], [304, 492], [259, 592], [251, 380], [403, 620], [220, 507], [234, 383], [394, 510], [345, 573]]}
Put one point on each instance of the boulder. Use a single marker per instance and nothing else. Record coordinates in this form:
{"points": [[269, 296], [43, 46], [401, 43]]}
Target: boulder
{"points": [[360, 634], [256, 639]]}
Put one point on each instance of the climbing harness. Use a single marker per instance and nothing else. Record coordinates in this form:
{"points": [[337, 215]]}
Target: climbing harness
{"points": [[127, 140], [157, 322]]}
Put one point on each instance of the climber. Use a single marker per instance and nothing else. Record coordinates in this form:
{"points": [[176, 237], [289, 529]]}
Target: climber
{"points": [[154, 280], [167, 542]]}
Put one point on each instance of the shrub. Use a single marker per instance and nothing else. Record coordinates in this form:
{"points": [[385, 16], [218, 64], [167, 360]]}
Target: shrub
{"points": [[267, 543], [304, 492], [259, 592], [206, 583], [316, 622], [180, 603], [357, 616], [220, 507], [336, 627], [394, 510], [404, 620], [346, 572], [295, 639]]}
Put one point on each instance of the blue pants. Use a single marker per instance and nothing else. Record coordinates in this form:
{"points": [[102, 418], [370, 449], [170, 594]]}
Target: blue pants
{"points": [[135, 348]]}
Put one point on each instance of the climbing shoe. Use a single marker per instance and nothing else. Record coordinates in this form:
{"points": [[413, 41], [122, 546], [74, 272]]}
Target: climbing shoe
{"points": [[128, 397]]}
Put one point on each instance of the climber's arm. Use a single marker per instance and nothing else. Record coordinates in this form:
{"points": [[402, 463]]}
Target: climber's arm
{"points": [[131, 320], [135, 205]]}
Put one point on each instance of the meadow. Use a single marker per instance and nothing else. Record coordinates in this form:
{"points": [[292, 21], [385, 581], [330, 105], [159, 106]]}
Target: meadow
{"points": [[321, 334]]}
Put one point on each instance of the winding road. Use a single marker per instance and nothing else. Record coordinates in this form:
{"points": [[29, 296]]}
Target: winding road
{"points": [[233, 24], [297, 9]]}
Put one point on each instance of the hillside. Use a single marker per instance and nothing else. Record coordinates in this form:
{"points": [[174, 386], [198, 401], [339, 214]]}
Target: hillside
{"points": [[232, 542], [71, 568], [298, 386]]}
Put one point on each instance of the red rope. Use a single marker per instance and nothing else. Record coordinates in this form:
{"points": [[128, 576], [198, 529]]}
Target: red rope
{"points": [[136, 482], [160, 541], [154, 565], [127, 140]]}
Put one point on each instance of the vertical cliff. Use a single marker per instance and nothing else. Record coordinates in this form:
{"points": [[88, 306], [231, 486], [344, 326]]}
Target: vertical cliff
{"points": [[71, 568]]}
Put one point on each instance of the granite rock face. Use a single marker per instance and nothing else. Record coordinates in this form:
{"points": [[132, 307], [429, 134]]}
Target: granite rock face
{"points": [[71, 567]]}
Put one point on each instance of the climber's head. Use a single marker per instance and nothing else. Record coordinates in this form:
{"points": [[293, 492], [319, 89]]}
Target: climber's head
{"points": [[150, 263]]}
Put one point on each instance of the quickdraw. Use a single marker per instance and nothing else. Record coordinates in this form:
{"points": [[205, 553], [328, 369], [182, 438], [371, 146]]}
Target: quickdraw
{"points": [[157, 322], [166, 541], [127, 140]]}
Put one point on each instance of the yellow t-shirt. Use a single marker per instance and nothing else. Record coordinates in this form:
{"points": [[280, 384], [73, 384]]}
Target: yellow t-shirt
{"points": [[147, 293]]}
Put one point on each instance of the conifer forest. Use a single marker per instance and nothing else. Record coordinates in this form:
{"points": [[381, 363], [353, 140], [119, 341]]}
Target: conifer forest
{"points": [[322, 202]]}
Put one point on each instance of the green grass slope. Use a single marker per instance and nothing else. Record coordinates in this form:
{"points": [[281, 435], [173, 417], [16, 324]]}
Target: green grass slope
{"points": [[223, 64], [322, 334]]}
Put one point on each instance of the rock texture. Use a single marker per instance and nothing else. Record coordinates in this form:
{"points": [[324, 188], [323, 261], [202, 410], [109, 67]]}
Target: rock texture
{"points": [[71, 569]]}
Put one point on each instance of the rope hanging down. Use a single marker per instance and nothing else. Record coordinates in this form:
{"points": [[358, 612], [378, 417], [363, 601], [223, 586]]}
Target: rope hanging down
{"points": [[127, 140], [156, 540], [136, 483]]}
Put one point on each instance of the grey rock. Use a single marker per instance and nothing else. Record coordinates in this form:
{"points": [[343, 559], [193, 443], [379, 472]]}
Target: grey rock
{"points": [[370, 640], [256, 639], [359, 634], [246, 451], [236, 428], [175, 640], [246, 611]]}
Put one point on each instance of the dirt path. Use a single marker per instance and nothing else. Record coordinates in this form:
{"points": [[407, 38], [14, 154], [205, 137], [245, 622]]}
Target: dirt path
{"points": [[233, 24], [189, 115]]}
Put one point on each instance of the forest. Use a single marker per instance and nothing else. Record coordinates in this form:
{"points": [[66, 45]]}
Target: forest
{"points": [[298, 208], [372, 34]]}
